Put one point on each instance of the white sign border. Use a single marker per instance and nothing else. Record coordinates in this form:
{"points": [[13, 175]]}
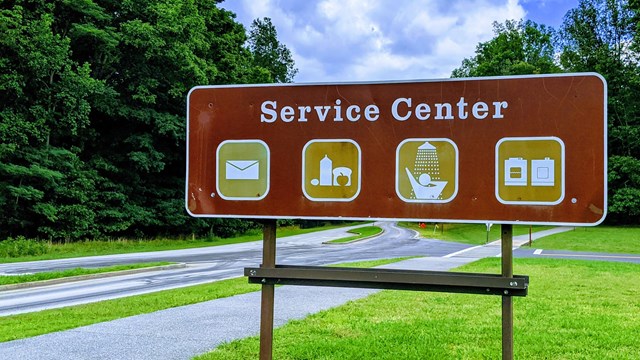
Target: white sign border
{"points": [[439, 220]]}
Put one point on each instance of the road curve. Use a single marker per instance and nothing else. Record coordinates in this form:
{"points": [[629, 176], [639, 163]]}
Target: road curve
{"points": [[209, 264]]}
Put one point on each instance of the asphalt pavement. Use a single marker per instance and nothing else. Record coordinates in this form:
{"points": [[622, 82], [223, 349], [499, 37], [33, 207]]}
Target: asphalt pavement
{"points": [[183, 332], [206, 265]]}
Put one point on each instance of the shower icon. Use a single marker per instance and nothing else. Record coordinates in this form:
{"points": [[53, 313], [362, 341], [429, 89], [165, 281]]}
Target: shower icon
{"points": [[426, 170], [425, 179]]}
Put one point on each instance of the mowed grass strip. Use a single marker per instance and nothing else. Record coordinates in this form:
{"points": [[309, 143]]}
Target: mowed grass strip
{"points": [[574, 310], [372, 263], [21, 326], [609, 239], [475, 234], [360, 233], [51, 275]]}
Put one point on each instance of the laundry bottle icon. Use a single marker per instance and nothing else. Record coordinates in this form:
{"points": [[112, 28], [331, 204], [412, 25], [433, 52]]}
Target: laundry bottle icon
{"points": [[515, 172]]}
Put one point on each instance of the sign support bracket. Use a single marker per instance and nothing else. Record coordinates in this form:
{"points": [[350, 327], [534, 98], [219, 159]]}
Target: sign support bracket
{"points": [[391, 279]]}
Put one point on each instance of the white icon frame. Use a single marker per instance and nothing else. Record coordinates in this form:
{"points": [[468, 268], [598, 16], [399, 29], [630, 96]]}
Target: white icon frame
{"points": [[562, 180], [455, 182], [268, 170], [304, 175]]}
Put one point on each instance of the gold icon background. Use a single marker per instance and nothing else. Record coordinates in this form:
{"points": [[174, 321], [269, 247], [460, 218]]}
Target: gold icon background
{"points": [[331, 170], [529, 149], [242, 151], [440, 163]]}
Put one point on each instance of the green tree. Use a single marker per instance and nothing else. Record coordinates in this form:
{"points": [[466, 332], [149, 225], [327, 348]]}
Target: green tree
{"points": [[46, 107], [519, 47], [599, 36], [162, 49], [269, 53], [92, 128]]}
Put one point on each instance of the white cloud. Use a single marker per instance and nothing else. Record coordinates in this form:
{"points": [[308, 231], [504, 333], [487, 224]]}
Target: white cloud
{"points": [[369, 40]]}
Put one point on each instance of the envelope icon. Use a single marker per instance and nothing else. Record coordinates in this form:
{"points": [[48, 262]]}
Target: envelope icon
{"points": [[242, 169]]}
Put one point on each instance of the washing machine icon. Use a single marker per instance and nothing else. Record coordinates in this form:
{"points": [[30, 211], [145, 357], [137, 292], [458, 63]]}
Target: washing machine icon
{"points": [[542, 172]]}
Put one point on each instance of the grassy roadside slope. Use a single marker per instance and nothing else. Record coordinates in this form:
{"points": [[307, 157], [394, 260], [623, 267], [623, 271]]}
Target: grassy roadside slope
{"points": [[609, 239], [360, 233], [574, 310]]}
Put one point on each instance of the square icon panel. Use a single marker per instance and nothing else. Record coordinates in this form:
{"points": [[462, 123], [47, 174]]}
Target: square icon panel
{"points": [[530, 170], [242, 169], [331, 170], [427, 170]]}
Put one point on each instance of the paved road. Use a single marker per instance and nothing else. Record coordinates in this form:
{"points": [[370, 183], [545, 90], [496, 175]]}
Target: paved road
{"points": [[208, 264]]}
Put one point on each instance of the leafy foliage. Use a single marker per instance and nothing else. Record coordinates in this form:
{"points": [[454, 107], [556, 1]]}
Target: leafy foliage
{"points": [[602, 36], [92, 131], [519, 47], [269, 53], [22, 247]]}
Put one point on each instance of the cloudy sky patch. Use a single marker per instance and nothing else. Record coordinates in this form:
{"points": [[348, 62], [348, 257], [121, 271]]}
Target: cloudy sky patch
{"points": [[372, 40]]}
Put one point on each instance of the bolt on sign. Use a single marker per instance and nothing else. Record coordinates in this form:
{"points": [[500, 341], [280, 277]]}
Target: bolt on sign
{"points": [[524, 149]]}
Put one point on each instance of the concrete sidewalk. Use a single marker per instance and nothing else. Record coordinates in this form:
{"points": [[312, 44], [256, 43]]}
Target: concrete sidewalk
{"points": [[183, 332]]}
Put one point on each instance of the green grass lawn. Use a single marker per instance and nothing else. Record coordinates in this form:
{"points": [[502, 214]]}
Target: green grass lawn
{"points": [[122, 246], [19, 279], [20, 326], [475, 234], [574, 310], [360, 233], [609, 239]]}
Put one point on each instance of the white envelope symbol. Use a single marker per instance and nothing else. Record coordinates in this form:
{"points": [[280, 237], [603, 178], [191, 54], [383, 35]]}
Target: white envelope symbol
{"points": [[242, 169]]}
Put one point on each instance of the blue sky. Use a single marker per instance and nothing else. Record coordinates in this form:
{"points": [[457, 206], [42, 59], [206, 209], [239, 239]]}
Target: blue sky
{"points": [[379, 40], [548, 12]]}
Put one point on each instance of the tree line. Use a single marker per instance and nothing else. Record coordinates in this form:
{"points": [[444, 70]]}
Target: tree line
{"points": [[93, 93], [92, 124]]}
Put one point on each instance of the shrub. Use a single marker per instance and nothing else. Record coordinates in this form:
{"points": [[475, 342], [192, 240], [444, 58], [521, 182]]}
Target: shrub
{"points": [[20, 246]]}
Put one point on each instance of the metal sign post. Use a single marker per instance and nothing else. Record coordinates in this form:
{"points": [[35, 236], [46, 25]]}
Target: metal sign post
{"points": [[507, 299], [267, 301]]}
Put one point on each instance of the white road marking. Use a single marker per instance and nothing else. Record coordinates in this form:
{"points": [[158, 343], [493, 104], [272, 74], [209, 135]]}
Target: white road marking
{"points": [[462, 251]]}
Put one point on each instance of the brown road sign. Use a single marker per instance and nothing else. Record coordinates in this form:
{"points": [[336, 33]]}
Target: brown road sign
{"points": [[526, 149]]}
